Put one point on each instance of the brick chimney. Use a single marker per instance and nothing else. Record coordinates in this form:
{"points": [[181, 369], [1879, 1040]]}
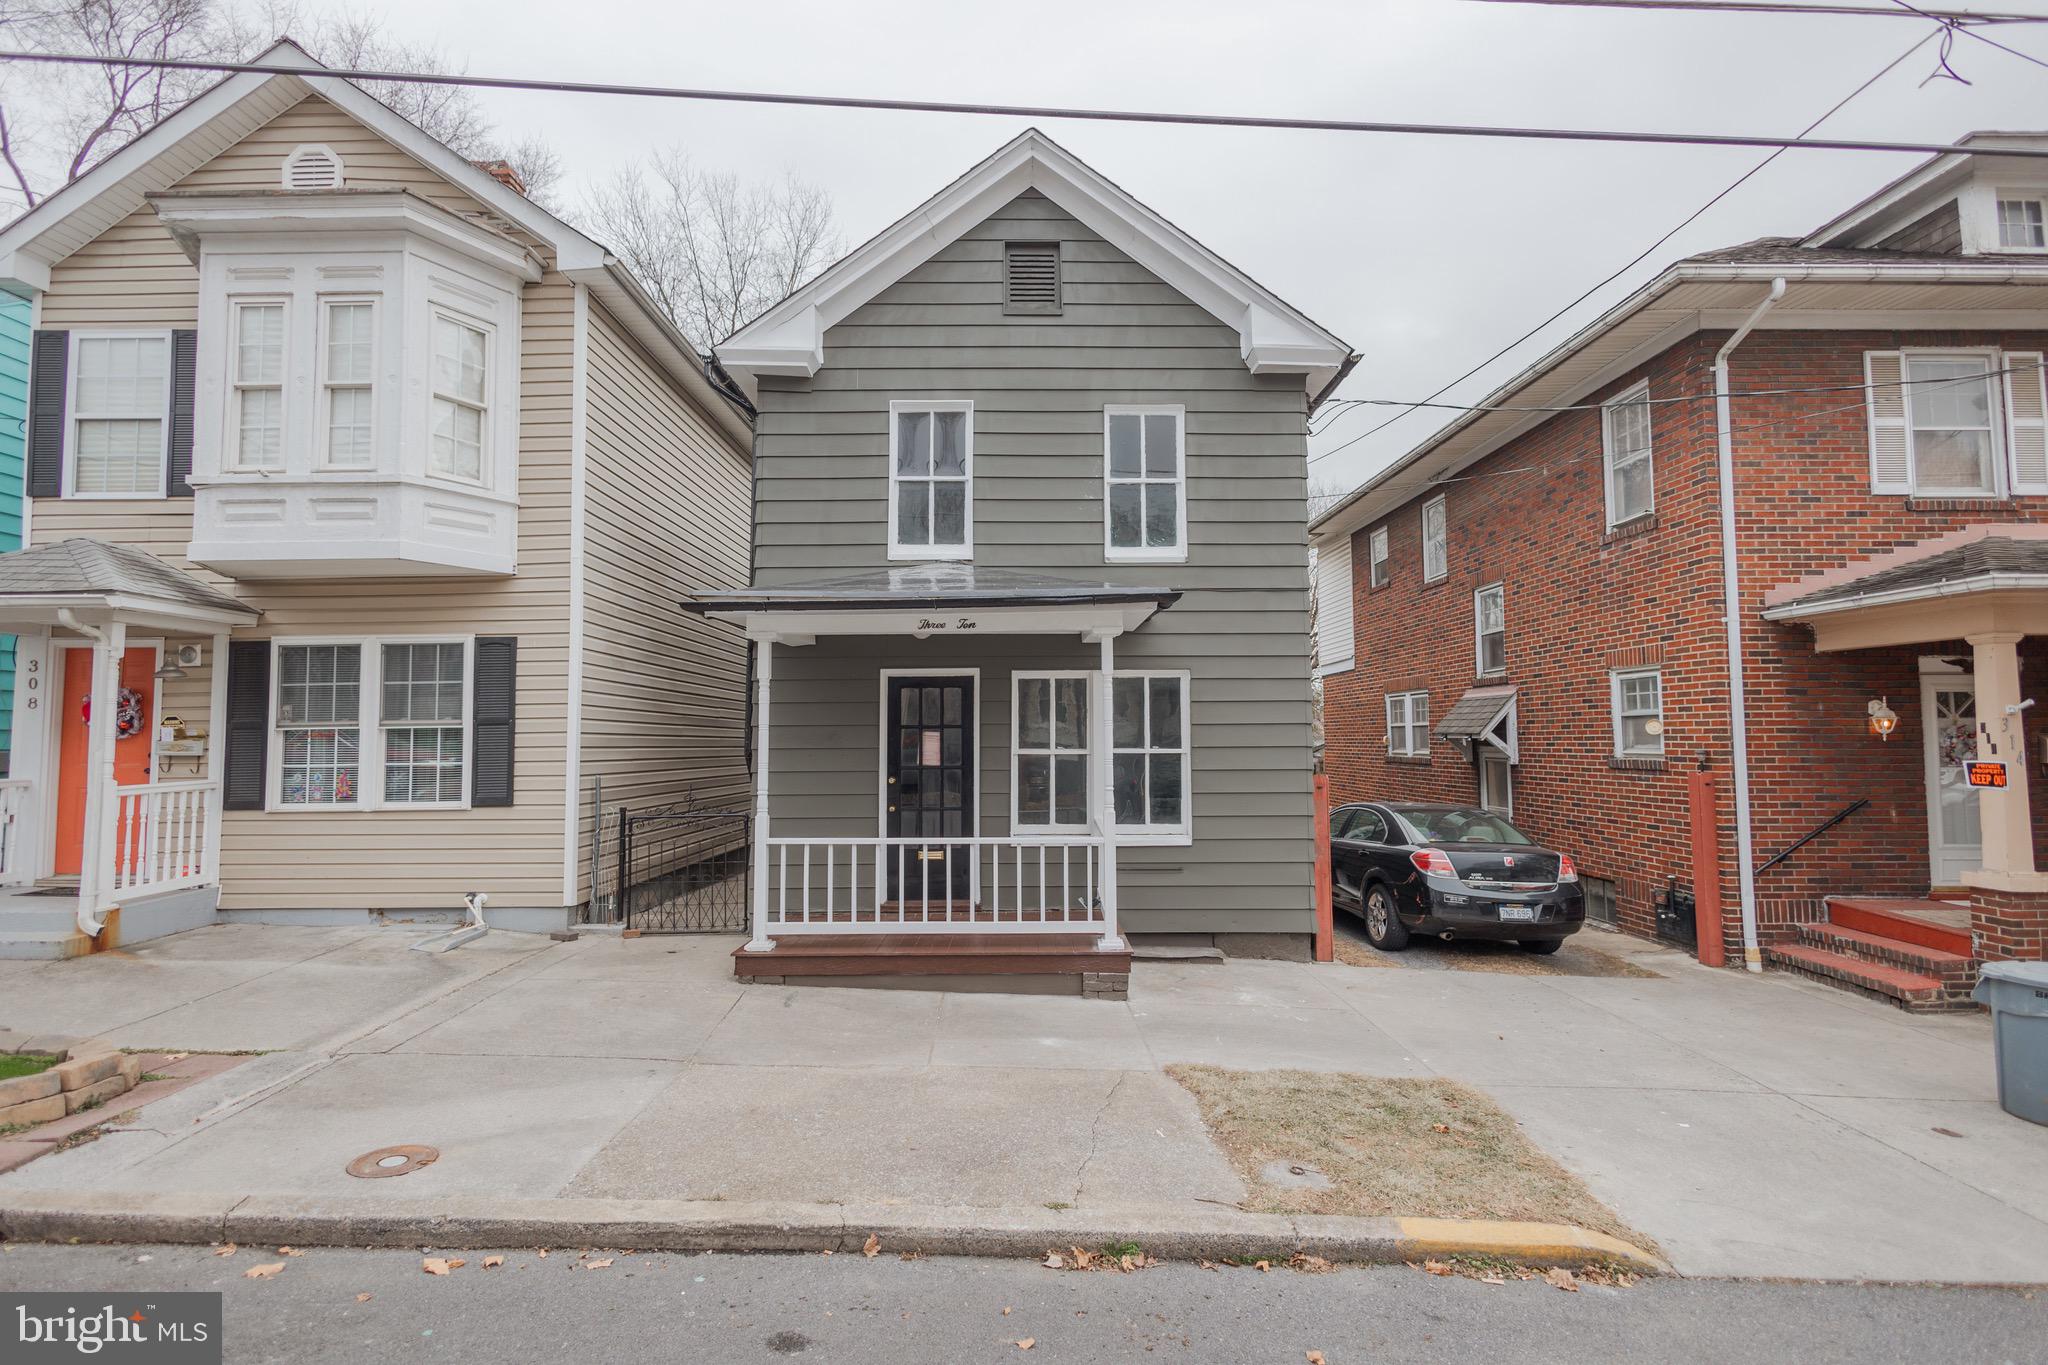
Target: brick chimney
{"points": [[503, 173]]}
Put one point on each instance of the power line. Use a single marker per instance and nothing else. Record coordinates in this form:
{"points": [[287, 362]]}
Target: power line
{"points": [[1038, 111], [1954, 26], [1628, 265], [1787, 7]]}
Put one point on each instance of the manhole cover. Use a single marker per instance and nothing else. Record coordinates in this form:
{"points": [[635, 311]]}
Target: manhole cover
{"points": [[403, 1160]]}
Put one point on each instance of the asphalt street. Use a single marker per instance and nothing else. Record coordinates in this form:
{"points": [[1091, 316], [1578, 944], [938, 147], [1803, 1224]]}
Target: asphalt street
{"points": [[852, 1309]]}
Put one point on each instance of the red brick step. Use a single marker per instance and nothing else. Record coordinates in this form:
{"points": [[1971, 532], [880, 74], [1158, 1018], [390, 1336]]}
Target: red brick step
{"points": [[1930, 924], [1910, 990]]}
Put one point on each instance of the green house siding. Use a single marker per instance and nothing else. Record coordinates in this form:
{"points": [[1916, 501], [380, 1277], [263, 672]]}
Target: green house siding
{"points": [[14, 329]]}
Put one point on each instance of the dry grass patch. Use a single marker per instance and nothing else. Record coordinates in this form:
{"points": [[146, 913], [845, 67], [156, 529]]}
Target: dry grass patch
{"points": [[1390, 1147], [1474, 955], [1352, 953]]}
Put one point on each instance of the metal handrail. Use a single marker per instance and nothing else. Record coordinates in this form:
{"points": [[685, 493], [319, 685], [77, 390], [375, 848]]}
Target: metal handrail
{"points": [[1822, 828]]}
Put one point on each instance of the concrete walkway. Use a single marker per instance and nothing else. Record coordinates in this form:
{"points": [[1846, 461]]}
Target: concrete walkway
{"points": [[1754, 1126]]}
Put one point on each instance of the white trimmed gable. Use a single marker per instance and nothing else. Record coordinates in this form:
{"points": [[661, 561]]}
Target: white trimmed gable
{"points": [[1275, 338]]}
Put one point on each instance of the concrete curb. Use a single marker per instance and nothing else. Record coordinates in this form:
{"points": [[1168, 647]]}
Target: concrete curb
{"points": [[1169, 1231]]}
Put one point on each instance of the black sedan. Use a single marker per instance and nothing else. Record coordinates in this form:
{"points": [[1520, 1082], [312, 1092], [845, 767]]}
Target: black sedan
{"points": [[1453, 872]]}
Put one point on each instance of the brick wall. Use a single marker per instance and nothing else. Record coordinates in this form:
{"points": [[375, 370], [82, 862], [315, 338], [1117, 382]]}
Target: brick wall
{"points": [[1581, 600]]}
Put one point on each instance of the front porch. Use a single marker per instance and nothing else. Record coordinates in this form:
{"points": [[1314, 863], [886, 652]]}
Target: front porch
{"points": [[904, 703], [110, 832]]}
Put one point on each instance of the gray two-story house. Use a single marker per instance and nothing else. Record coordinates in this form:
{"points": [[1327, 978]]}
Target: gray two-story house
{"points": [[1030, 593]]}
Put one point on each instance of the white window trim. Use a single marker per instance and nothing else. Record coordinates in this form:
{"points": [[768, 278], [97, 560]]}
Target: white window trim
{"points": [[1087, 751], [1177, 553], [231, 414], [928, 553], [2033, 194], [487, 454], [1407, 700], [1443, 569], [1378, 559], [1993, 363], [1488, 755], [1099, 767], [1638, 393], [369, 725], [1182, 833], [1614, 681], [323, 417], [72, 417], [1479, 668]]}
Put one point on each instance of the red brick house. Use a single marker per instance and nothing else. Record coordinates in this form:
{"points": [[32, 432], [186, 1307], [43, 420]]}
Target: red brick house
{"points": [[1527, 609]]}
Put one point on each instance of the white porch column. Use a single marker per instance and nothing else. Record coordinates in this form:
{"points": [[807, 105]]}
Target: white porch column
{"points": [[102, 798], [216, 737], [764, 655], [1105, 734], [2001, 737]]}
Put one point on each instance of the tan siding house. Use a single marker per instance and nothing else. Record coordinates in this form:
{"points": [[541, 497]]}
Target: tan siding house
{"points": [[448, 470]]}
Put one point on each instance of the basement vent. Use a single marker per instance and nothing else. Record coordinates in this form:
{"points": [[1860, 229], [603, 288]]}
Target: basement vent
{"points": [[1031, 277], [312, 168]]}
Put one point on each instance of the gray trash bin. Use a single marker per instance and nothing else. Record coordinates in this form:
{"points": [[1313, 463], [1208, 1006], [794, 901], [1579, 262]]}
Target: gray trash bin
{"points": [[2017, 993]]}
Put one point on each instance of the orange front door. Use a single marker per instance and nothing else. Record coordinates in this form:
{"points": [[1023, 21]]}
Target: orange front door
{"points": [[131, 754]]}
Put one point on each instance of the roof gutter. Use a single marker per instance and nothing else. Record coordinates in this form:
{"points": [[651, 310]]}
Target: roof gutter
{"points": [[1731, 610], [1995, 581]]}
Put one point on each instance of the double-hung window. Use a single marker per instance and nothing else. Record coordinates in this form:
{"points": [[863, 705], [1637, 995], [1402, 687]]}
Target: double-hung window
{"points": [[1145, 483], [119, 403], [1050, 780], [1490, 628], [1436, 537], [1952, 414], [256, 409], [461, 402], [931, 479], [1638, 700], [411, 697], [1408, 723], [347, 382], [1625, 442], [1377, 552], [2023, 222], [1149, 759]]}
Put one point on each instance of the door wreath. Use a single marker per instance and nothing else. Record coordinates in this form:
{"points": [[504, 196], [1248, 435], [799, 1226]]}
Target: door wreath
{"points": [[127, 713]]}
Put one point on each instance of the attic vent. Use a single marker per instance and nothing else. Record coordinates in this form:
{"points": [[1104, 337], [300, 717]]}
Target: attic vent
{"points": [[312, 168], [1031, 277]]}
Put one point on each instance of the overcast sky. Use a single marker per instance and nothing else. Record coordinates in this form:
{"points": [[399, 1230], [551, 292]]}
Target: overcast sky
{"points": [[1425, 253]]}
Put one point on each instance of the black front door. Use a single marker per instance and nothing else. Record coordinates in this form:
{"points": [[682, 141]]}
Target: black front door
{"points": [[930, 787]]}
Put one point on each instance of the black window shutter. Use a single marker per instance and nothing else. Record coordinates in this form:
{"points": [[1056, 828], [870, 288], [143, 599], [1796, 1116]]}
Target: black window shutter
{"points": [[184, 379], [497, 658], [47, 384], [246, 759]]}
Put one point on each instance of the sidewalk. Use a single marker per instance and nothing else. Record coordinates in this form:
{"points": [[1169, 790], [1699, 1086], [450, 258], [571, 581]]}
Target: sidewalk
{"points": [[1753, 1126]]}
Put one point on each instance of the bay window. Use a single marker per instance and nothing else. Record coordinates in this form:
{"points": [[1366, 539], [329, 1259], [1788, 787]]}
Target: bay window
{"points": [[461, 399], [119, 404], [256, 411], [347, 382], [412, 697]]}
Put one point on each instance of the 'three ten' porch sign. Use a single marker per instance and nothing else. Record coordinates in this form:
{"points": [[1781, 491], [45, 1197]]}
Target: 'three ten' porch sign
{"points": [[964, 623]]}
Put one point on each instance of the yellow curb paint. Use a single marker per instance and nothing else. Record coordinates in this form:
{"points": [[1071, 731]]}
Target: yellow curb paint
{"points": [[1517, 1242]]}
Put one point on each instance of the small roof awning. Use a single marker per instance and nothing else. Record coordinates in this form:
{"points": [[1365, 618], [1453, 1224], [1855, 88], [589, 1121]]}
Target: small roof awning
{"points": [[97, 582], [1979, 578], [922, 600], [1484, 715]]}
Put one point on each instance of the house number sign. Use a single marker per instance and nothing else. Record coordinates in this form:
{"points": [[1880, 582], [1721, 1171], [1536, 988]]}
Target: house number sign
{"points": [[962, 623]]}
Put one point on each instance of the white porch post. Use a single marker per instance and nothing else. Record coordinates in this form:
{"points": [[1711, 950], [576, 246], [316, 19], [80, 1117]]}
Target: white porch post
{"points": [[1105, 733], [2003, 812], [764, 655], [102, 798], [216, 737]]}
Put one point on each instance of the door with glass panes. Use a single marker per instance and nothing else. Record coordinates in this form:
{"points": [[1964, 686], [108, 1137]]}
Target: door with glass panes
{"points": [[930, 787]]}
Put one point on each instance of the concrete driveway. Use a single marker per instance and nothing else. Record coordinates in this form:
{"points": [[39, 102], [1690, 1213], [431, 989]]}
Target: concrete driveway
{"points": [[1756, 1126]]}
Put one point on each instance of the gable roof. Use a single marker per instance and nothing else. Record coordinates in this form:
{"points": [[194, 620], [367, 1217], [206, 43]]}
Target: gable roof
{"points": [[1275, 337], [239, 104], [1901, 199]]}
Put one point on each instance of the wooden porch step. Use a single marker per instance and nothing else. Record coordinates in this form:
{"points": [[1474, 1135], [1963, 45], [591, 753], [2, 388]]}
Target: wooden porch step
{"points": [[806, 955], [1931, 924], [1912, 991]]}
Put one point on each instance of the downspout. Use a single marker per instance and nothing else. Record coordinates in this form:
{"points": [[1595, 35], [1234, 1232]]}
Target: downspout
{"points": [[1731, 608], [88, 923]]}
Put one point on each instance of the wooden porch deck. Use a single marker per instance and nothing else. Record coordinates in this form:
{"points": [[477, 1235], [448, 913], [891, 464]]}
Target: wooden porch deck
{"points": [[958, 954]]}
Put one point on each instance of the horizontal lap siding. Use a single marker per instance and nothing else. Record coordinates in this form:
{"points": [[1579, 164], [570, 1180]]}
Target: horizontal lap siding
{"points": [[664, 690], [1039, 385], [133, 275]]}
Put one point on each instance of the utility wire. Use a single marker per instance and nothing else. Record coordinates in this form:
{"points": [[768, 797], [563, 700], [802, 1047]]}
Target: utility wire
{"points": [[1630, 264], [1041, 111], [1956, 26], [1786, 7]]}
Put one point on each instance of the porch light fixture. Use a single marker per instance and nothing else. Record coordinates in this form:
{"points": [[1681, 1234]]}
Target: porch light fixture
{"points": [[168, 670], [1883, 720]]}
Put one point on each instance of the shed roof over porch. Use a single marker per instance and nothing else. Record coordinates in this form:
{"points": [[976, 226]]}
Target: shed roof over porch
{"points": [[929, 599], [1987, 577], [97, 580]]}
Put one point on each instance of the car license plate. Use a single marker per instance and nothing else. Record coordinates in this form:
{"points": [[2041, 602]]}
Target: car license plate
{"points": [[1518, 912]]}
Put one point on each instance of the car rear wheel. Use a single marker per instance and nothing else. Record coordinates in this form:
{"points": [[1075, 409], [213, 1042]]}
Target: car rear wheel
{"points": [[1383, 927], [1543, 946]]}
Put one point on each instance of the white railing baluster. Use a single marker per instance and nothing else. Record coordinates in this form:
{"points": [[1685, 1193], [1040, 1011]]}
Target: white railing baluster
{"points": [[171, 830], [782, 886], [1041, 885]]}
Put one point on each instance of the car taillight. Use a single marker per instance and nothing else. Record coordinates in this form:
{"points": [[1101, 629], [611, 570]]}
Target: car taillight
{"points": [[1432, 862], [1566, 872]]}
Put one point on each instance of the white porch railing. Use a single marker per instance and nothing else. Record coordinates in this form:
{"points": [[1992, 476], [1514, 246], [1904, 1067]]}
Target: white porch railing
{"points": [[13, 851], [1013, 886], [161, 838]]}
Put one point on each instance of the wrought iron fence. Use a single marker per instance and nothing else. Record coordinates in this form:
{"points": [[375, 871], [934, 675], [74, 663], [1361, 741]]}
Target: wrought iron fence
{"points": [[670, 869]]}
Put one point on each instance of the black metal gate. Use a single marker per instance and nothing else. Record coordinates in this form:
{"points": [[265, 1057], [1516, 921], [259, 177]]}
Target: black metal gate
{"points": [[680, 870]]}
